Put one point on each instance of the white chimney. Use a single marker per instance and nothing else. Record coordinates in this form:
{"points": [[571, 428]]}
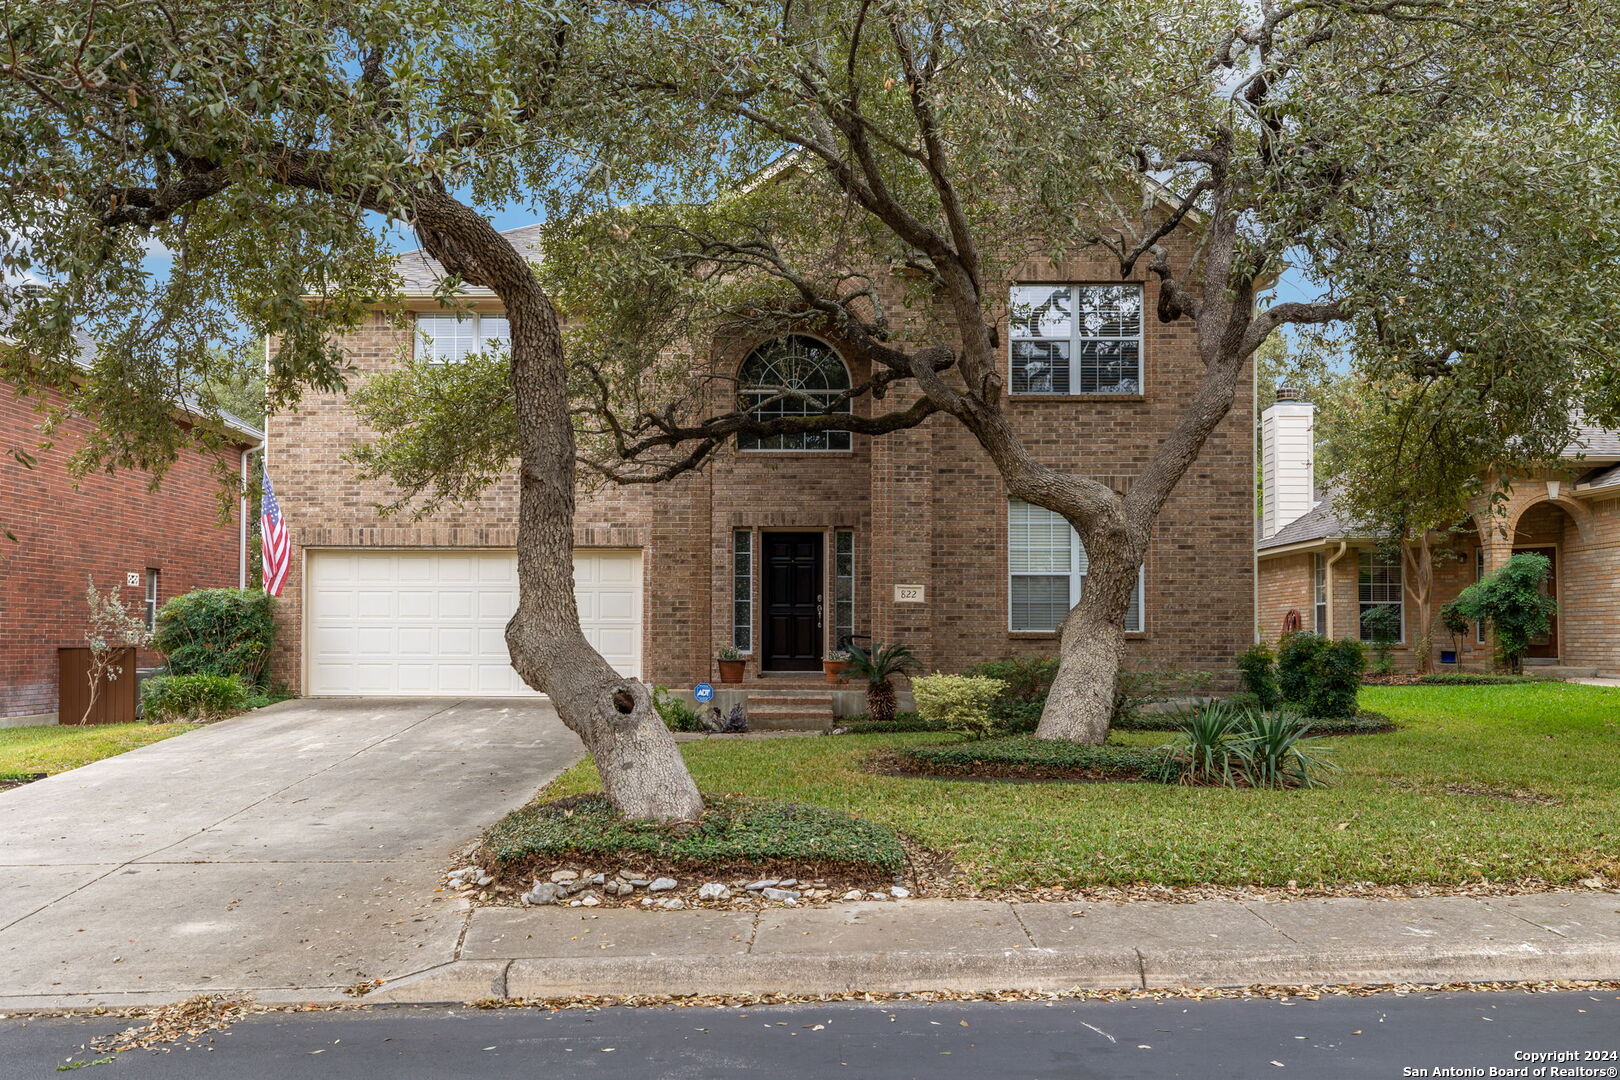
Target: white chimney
{"points": [[1287, 452]]}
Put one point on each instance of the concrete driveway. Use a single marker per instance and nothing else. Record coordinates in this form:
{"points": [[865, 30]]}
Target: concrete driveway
{"points": [[294, 848]]}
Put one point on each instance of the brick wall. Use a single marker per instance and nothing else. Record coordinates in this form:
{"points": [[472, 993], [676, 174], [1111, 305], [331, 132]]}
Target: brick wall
{"points": [[926, 506], [103, 527]]}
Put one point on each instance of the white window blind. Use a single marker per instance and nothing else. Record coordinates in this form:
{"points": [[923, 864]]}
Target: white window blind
{"points": [[1046, 570], [1076, 339], [448, 338]]}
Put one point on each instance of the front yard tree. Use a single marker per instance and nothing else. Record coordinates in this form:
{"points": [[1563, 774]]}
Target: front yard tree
{"points": [[265, 145], [1439, 167]]}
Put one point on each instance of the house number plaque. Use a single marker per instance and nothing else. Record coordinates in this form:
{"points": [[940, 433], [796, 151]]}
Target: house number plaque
{"points": [[910, 594]]}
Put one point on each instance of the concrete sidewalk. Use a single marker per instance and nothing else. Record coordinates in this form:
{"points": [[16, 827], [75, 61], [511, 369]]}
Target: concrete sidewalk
{"points": [[984, 945]]}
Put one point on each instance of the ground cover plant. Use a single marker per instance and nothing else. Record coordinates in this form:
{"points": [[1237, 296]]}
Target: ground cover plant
{"points": [[735, 833], [26, 752], [1025, 757], [1497, 783]]}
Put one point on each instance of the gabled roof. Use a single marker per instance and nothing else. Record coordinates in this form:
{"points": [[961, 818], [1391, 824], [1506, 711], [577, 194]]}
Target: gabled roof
{"points": [[420, 273], [1594, 441], [1320, 522]]}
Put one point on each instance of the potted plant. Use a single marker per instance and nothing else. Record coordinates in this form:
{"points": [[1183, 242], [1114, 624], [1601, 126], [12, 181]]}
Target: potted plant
{"points": [[877, 665], [834, 663], [732, 664]]}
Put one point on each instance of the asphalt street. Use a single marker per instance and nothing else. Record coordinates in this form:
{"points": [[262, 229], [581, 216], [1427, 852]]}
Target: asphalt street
{"points": [[1383, 1036]]}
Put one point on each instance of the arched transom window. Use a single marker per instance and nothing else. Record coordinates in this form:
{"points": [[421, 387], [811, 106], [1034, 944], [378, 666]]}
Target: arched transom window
{"points": [[792, 376]]}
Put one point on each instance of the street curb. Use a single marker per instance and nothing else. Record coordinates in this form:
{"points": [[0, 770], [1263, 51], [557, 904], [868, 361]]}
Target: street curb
{"points": [[1025, 969]]}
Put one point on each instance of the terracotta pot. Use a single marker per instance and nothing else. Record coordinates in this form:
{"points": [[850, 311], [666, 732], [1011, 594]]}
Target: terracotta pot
{"points": [[732, 670], [834, 669]]}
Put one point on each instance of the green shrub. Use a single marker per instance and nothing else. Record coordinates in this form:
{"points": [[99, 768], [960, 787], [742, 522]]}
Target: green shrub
{"points": [[192, 697], [1027, 678], [1223, 746], [960, 702], [1512, 600], [734, 831], [226, 632], [1471, 678], [905, 721], [1318, 677], [1363, 723], [1016, 717], [1038, 759], [1257, 667], [674, 711]]}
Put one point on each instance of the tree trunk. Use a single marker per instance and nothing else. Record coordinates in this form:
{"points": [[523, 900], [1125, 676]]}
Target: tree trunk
{"points": [[642, 771], [880, 701], [1419, 557], [1081, 704]]}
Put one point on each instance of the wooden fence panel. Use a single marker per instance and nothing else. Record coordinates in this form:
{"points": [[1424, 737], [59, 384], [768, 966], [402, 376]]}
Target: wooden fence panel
{"points": [[115, 697]]}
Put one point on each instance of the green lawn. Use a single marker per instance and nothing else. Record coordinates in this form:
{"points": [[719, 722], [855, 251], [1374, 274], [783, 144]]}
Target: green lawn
{"points": [[1458, 794], [54, 748]]}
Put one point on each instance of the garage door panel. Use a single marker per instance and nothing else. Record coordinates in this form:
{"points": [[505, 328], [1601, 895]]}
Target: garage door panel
{"points": [[433, 622]]}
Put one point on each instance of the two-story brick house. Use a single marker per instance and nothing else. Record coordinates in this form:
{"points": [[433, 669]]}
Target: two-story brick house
{"points": [[781, 550], [1319, 570]]}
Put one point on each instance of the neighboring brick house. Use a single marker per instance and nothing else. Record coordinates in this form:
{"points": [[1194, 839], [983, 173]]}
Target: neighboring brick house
{"points": [[112, 528], [780, 550], [1315, 566]]}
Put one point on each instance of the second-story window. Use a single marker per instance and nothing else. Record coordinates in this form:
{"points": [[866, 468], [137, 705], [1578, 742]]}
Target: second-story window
{"points": [[448, 338], [793, 376], [1076, 339]]}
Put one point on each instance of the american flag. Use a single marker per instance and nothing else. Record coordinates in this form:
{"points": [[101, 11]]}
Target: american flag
{"points": [[273, 541]]}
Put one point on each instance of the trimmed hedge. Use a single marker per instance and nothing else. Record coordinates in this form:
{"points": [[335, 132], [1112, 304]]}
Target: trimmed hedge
{"points": [[906, 721], [192, 697], [1363, 723], [1464, 678], [1020, 756], [734, 831]]}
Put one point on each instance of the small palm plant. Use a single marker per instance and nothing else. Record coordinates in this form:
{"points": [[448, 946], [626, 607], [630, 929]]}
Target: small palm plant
{"points": [[1228, 747], [877, 665]]}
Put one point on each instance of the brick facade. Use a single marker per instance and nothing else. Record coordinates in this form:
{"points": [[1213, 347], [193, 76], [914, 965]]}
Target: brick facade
{"points": [[926, 508], [103, 527], [1583, 531]]}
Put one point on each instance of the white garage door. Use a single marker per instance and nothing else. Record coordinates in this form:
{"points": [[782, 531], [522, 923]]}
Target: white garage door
{"points": [[433, 622]]}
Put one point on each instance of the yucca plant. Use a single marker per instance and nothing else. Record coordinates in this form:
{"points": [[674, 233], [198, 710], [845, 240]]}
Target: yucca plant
{"points": [[1207, 744], [877, 665], [1275, 752]]}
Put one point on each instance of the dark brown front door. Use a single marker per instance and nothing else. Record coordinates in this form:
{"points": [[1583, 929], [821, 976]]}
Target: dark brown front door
{"points": [[1546, 647], [792, 600]]}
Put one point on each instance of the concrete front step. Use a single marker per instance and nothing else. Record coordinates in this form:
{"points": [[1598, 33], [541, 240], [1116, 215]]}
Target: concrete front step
{"points": [[1561, 671]]}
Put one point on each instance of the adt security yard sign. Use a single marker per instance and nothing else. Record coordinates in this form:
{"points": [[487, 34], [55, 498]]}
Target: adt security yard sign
{"points": [[703, 692]]}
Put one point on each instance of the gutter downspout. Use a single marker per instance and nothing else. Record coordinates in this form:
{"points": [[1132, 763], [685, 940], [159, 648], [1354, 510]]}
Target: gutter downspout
{"points": [[1327, 581]]}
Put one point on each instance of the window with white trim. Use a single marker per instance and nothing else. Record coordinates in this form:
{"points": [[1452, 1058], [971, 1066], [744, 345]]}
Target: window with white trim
{"points": [[446, 338], [151, 604], [792, 376], [742, 590], [1319, 595], [843, 587], [1046, 570], [1380, 586], [1076, 339]]}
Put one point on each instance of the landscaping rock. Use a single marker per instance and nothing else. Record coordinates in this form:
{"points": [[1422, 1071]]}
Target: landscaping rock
{"points": [[663, 884], [898, 893], [714, 891], [787, 883], [853, 894], [623, 888], [673, 903], [639, 883], [598, 879], [564, 875], [543, 893], [765, 883], [590, 900], [877, 896], [779, 894], [485, 879]]}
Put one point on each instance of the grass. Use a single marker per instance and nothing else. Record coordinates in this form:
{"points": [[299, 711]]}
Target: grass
{"points": [[54, 748], [1478, 782], [733, 832]]}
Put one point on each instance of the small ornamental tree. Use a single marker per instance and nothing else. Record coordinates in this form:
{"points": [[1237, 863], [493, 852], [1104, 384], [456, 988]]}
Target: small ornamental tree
{"points": [[113, 627], [1513, 600]]}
